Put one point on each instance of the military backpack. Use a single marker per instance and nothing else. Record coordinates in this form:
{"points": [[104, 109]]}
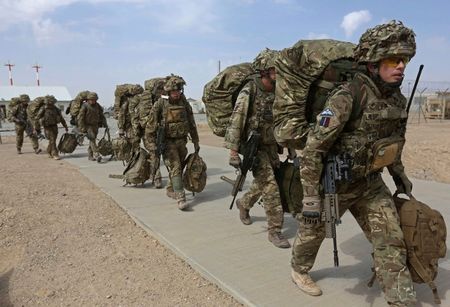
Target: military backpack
{"points": [[291, 190], [121, 91], [12, 107], [194, 176], [138, 168], [104, 145], [122, 148], [67, 143], [34, 107], [306, 75], [425, 233], [219, 95], [77, 103]]}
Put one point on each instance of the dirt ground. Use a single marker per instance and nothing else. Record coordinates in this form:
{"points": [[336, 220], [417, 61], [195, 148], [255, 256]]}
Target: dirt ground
{"points": [[61, 246]]}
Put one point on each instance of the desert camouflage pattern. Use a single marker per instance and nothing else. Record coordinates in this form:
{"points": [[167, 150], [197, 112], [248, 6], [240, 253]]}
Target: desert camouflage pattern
{"points": [[20, 130], [51, 133], [20, 112], [355, 119], [297, 68], [90, 118], [50, 116], [253, 112], [385, 40]]}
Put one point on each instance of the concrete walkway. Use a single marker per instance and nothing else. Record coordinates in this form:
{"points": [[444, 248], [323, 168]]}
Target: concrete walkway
{"points": [[238, 258]]}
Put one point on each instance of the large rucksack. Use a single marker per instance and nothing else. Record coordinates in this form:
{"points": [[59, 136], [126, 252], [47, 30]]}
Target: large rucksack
{"points": [[121, 91], [306, 75], [219, 95], [12, 107], [138, 168], [67, 143], [34, 107], [425, 233], [290, 186], [122, 148], [77, 103], [194, 176]]}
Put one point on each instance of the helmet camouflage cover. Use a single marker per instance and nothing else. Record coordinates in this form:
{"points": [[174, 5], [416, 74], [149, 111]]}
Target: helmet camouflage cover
{"points": [[92, 96], [174, 83], [265, 60], [24, 98], [390, 39], [50, 99]]}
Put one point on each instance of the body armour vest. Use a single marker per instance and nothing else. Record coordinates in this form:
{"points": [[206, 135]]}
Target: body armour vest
{"points": [[261, 116], [374, 134], [176, 118], [93, 114]]}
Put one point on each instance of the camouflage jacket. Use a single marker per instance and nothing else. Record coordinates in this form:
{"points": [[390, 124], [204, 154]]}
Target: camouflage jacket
{"points": [[252, 112], [50, 115], [176, 116], [18, 114], [91, 115], [359, 120]]}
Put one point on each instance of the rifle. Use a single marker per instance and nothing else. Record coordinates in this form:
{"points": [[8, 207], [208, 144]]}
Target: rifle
{"points": [[249, 153], [337, 168], [160, 147]]}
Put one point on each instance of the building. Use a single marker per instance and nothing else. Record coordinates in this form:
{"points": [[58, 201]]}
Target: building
{"points": [[197, 106], [60, 92]]}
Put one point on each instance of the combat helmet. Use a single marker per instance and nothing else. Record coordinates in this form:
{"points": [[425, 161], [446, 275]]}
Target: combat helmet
{"points": [[50, 99], [24, 98], [390, 39], [265, 60], [92, 96], [174, 83]]}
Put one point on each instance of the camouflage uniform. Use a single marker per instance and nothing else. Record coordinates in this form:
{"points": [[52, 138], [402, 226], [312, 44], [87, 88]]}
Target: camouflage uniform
{"points": [[128, 120], [357, 119], [90, 118], [20, 118], [178, 120], [253, 112], [49, 116]]}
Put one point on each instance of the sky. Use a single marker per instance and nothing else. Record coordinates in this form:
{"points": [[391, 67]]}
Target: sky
{"points": [[96, 44]]}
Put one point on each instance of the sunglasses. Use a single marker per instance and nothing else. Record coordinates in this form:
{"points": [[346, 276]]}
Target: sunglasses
{"points": [[394, 61]]}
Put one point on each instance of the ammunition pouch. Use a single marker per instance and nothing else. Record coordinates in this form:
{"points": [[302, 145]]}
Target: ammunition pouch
{"points": [[385, 152]]}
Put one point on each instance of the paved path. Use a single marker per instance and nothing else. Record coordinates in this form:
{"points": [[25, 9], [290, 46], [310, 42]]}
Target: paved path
{"points": [[239, 258]]}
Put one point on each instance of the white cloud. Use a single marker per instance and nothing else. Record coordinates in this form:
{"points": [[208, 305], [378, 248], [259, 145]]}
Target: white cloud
{"points": [[354, 20], [312, 35]]}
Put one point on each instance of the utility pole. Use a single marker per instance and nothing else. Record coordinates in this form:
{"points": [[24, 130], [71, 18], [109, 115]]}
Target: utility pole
{"points": [[420, 105], [37, 67], [10, 66], [218, 65]]}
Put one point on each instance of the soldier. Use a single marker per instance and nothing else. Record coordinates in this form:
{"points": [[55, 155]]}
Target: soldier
{"points": [[20, 118], [90, 118], [127, 120], [362, 118], [253, 113], [174, 114], [49, 116]]}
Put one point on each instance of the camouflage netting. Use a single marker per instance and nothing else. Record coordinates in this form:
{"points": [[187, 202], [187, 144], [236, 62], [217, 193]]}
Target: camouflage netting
{"points": [[384, 40], [297, 69]]}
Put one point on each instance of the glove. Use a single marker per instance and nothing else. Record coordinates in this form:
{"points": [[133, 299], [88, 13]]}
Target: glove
{"points": [[311, 209], [196, 147], [235, 160], [403, 184]]}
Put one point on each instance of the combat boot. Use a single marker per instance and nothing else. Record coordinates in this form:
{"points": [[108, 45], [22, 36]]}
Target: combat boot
{"points": [[19, 150], [305, 283], [181, 200], [37, 151], [99, 159], [56, 157], [278, 240], [244, 214], [170, 193], [158, 183]]}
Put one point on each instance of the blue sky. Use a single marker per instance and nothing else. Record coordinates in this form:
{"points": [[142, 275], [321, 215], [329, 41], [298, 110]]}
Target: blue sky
{"points": [[96, 44]]}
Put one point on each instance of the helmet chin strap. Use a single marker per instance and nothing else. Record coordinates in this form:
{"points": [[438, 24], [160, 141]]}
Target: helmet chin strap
{"points": [[386, 88]]}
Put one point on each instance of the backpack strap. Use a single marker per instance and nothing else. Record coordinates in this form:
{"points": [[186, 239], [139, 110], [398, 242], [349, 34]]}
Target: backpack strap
{"points": [[420, 270]]}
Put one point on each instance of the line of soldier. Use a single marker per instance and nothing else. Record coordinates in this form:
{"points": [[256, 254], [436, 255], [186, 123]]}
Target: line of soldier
{"points": [[384, 51]]}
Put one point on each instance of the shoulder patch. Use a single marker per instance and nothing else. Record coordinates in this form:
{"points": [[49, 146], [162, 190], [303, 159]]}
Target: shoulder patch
{"points": [[327, 113]]}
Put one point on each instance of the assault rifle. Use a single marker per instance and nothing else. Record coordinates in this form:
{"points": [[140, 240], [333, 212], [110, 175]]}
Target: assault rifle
{"points": [[160, 147], [337, 168], [250, 149]]}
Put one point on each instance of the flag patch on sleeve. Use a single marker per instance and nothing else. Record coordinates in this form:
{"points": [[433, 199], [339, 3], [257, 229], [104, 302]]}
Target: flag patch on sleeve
{"points": [[325, 117]]}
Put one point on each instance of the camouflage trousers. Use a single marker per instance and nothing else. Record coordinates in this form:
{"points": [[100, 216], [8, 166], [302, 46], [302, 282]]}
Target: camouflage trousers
{"points": [[154, 161], [265, 186], [51, 133], [174, 155], [135, 135], [373, 208], [20, 130], [92, 132]]}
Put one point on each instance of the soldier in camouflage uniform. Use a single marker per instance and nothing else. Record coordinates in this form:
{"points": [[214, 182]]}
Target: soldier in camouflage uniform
{"points": [[253, 113], [90, 118], [174, 113], [128, 120], [365, 118], [20, 118], [49, 116]]}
